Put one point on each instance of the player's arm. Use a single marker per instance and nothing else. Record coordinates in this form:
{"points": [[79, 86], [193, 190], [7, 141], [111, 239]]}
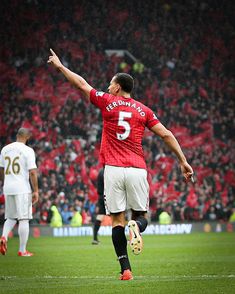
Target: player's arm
{"points": [[78, 81], [2, 174], [33, 175], [170, 140]]}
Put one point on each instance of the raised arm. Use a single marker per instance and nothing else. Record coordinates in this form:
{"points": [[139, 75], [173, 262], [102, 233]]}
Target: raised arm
{"points": [[72, 77], [170, 140]]}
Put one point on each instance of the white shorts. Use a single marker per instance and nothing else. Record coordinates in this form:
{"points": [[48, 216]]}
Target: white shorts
{"points": [[18, 206], [125, 188]]}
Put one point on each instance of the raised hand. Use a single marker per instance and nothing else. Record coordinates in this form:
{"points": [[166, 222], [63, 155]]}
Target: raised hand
{"points": [[54, 59]]}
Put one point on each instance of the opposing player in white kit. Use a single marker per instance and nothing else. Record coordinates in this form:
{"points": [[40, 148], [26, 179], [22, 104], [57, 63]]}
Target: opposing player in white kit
{"points": [[121, 152], [18, 169]]}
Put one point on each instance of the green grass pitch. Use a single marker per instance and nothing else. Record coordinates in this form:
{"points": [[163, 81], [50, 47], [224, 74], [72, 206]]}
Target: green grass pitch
{"points": [[196, 263]]}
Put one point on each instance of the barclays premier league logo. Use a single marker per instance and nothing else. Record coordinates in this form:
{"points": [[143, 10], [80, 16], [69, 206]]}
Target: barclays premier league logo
{"points": [[99, 94]]}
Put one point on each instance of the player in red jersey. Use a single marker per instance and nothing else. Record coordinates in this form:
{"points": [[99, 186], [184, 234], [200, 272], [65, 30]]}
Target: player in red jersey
{"points": [[125, 175]]}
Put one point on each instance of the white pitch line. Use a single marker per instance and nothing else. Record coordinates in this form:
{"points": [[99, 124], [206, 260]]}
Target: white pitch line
{"points": [[158, 278]]}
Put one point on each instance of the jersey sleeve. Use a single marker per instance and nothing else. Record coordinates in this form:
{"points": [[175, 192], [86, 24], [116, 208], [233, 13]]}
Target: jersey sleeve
{"points": [[99, 98], [31, 160], [152, 119]]}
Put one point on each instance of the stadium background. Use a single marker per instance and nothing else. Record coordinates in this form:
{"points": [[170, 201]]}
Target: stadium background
{"points": [[184, 71]]}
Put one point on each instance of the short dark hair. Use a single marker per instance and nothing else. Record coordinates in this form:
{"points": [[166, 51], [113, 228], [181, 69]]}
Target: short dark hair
{"points": [[125, 80], [24, 132]]}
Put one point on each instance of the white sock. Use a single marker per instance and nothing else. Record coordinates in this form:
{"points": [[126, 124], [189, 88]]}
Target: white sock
{"points": [[7, 227], [23, 231]]}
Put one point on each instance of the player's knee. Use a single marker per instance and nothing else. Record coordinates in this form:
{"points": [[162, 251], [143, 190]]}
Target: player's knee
{"points": [[143, 223], [141, 220], [137, 214]]}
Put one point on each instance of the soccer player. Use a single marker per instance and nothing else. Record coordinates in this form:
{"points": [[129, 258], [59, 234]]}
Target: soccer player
{"points": [[125, 175], [100, 206], [17, 167]]}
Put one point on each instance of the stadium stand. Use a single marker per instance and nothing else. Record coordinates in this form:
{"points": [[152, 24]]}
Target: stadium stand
{"points": [[187, 55]]}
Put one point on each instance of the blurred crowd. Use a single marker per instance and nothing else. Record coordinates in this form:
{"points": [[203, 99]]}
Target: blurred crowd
{"points": [[184, 56]]}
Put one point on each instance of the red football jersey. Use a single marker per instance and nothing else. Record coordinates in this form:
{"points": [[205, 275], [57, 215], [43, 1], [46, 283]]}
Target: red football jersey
{"points": [[124, 122]]}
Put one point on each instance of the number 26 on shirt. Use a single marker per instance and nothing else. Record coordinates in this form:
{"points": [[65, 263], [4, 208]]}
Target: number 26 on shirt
{"points": [[125, 124]]}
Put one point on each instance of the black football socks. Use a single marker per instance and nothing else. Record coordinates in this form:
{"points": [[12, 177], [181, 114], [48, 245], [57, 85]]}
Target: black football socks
{"points": [[142, 223], [120, 246], [96, 229]]}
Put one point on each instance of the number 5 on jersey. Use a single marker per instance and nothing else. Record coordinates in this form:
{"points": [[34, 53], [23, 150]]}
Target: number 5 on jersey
{"points": [[124, 124]]}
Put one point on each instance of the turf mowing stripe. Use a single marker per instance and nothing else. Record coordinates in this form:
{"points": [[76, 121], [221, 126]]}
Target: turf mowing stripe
{"points": [[159, 278]]}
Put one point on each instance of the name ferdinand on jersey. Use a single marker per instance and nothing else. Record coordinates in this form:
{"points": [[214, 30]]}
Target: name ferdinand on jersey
{"points": [[127, 104]]}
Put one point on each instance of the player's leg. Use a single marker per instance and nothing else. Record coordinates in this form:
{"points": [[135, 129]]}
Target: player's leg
{"points": [[100, 215], [95, 231], [8, 227], [24, 211], [141, 219], [96, 228], [120, 244], [10, 215], [136, 226], [23, 231], [115, 204], [138, 201]]}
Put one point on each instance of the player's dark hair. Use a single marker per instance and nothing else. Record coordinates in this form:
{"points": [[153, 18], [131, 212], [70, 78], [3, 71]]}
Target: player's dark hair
{"points": [[126, 81], [23, 132]]}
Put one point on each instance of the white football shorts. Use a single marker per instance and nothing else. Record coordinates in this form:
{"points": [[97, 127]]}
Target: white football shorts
{"points": [[125, 188], [18, 206]]}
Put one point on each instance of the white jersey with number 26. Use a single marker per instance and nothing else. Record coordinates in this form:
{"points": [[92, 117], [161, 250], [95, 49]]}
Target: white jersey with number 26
{"points": [[17, 159]]}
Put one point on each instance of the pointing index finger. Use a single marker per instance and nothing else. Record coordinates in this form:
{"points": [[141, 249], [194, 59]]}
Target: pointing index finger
{"points": [[52, 52]]}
